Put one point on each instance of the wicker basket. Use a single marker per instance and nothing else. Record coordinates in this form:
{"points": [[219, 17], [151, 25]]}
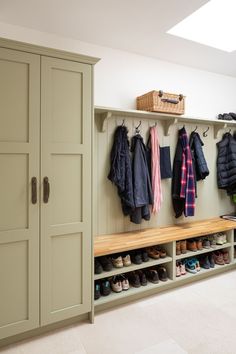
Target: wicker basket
{"points": [[159, 101]]}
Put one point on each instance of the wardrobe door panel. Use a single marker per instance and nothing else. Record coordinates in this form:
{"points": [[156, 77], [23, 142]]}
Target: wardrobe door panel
{"points": [[19, 221], [66, 216]]}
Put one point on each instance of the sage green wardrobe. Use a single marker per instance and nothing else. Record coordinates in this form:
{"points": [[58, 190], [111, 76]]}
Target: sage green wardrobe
{"points": [[45, 186]]}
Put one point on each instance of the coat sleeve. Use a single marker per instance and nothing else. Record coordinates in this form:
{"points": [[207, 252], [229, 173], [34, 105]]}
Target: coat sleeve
{"points": [[178, 203]]}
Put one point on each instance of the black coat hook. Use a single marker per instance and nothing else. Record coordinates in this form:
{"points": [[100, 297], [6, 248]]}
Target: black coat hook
{"points": [[139, 124], [123, 123], [195, 129], [205, 132], [137, 128]]}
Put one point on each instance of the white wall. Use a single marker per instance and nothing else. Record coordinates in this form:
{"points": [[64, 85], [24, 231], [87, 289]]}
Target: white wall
{"points": [[121, 76]]}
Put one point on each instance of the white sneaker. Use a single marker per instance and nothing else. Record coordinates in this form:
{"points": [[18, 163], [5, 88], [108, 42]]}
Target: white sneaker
{"points": [[124, 283], [116, 285], [220, 239]]}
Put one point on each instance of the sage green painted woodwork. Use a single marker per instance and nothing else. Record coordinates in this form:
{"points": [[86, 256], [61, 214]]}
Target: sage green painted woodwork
{"points": [[66, 160], [19, 221]]}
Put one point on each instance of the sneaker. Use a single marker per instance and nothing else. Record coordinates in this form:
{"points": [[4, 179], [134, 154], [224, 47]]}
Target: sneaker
{"points": [[144, 254], [212, 240], [183, 246], [191, 245], [124, 282], [211, 260], [97, 267], [199, 244], [197, 264], [105, 287], [106, 263], [153, 252], [152, 275], [178, 248], [142, 277], [134, 279], [204, 262], [136, 257], [117, 262], [116, 284], [218, 258], [162, 273], [220, 239], [226, 256], [190, 266], [182, 268], [224, 238], [126, 260], [178, 271], [97, 292], [206, 243]]}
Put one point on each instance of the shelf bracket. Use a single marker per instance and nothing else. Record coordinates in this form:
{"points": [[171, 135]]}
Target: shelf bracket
{"points": [[217, 129], [167, 124], [104, 118]]}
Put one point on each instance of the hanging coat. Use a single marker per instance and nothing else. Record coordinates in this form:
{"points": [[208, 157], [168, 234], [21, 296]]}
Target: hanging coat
{"points": [[200, 165], [141, 181], [121, 170]]}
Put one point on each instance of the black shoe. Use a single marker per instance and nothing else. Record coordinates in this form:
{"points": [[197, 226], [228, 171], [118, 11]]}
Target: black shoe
{"points": [[225, 116], [152, 276], [162, 272], [134, 279], [144, 254], [106, 263], [97, 293], [97, 267], [105, 287], [142, 277], [136, 257], [233, 115]]}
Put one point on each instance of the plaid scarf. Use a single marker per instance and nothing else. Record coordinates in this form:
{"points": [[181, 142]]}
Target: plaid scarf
{"points": [[187, 190]]}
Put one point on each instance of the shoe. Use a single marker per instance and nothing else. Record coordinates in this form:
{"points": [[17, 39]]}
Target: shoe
{"points": [[225, 116], [153, 252], [204, 262], [190, 266], [106, 263], [211, 260], [233, 115], [126, 260], [191, 245], [197, 264], [206, 243], [162, 273], [218, 258], [178, 248], [124, 282], [97, 267], [182, 268], [97, 293], [212, 240], [134, 279], [136, 257], [220, 240], [144, 254], [226, 256], [183, 246], [178, 270], [199, 244], [117, 262], [116, 284], [161, 251], [152, 276], [142, 277], [105, 287], [224, 238]]}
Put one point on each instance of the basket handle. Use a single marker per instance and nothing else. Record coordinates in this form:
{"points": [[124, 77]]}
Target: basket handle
{"points": [[170, 100]]}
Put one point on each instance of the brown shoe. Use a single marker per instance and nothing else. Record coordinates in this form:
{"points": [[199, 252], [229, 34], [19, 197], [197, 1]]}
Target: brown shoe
{"points": [[218, 258], [226, 256], [191, 245], [153, 252], [199, 244], [178, 249], [161, 251], [183, 246]]}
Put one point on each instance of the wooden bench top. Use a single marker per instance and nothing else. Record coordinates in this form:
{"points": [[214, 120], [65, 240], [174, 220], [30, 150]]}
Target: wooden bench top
{"points": [[115, 243]]}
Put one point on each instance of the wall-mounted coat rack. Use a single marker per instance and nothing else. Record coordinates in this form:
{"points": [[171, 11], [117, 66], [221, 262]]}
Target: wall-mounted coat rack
{"points": [[103, 114]]}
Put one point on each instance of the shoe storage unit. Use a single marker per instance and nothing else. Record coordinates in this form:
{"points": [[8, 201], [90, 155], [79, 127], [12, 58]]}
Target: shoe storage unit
{"points": [[108, 245], [46, 130]]}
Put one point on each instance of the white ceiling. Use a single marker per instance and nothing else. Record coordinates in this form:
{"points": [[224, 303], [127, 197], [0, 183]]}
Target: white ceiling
{"points": [[137, 26]]}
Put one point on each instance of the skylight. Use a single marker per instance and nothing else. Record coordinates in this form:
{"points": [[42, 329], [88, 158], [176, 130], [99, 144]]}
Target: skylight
{"points": [[214, 25]]}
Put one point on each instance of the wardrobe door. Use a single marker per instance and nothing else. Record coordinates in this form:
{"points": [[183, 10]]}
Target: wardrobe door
{"points": [[66, 189], [19, 174]]}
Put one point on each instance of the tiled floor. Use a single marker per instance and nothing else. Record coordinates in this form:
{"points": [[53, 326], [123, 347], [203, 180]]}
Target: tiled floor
{"points": [[195, 319]]}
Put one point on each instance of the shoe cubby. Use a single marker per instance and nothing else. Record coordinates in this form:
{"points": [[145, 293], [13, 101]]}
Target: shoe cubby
{"points": [[166, 239]]}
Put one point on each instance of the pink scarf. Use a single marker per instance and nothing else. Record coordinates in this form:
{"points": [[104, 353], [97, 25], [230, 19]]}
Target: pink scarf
{"points": [[156, 172]]}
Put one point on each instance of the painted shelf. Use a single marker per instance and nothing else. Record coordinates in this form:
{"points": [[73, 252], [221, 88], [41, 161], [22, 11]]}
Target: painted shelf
{"points": [[132, 267], [132, 291], [204, 271], [205, 250], [105, 113]]}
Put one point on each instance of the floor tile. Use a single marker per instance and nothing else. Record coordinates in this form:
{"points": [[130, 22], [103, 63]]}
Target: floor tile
{"points": [[166, 347]]}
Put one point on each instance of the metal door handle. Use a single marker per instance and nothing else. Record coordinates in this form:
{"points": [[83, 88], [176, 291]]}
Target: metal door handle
{"points": [[34, 190], [46, 189]]}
